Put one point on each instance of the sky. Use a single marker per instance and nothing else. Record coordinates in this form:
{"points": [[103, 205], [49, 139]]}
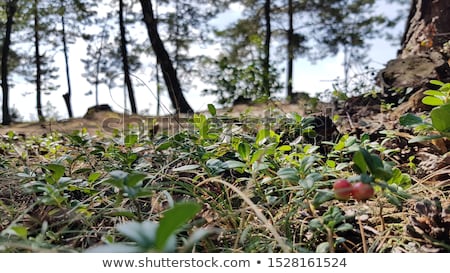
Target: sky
{"points": [[308, 77]]}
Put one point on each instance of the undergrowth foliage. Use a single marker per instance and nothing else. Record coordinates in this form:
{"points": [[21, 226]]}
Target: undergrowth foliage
{"points": [[248, 185]]}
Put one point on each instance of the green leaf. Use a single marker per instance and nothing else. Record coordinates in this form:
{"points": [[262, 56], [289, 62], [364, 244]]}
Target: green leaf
{"points": [[445, 88], [212, 109], [322, 196], [118, 174], [440, 117], [434, 93], [133, 179], [436, 82], [144, 234], [331, 163], [360, 163], [433, 101], [19, 231], [289, 174], [315, 224], [131, 139], [423, 138], [164, 146], [233, 164], [244, 151], [344, 227], [259, 166], [394, 200], [323, 248], [284, 148], [127, 214], [257, 155], [410, 120], [186, 168], [261, 136], [56, 170], [400, 179], [172, 220], [309, 181], [94, 177]]}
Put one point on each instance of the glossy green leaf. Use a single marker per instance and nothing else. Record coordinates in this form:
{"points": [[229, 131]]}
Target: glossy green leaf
{"points": [[144, 234], [410, 120], [244, 151], [360, 163], [233, 164], [434, 93], [284, 148], [212, 109], [433, 101], [436, 82], [344, 227], [440, 117], [323, 247], [322, 196], [400, 179], [57, 171], [289, 174]]}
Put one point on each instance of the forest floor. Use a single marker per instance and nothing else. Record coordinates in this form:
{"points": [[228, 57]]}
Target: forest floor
{"points": [[424, 219]]}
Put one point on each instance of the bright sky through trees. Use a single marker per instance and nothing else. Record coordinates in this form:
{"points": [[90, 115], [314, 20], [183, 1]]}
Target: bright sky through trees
{"points": [[310, 78]]}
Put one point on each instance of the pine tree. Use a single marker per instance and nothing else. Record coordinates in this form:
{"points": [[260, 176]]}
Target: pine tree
{"points": [[75, 16], [179, 102], [10, 8]]}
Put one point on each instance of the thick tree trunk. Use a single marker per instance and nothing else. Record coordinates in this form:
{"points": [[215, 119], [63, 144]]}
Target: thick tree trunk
{"points": [[11, 8], [126, 66], [169, 73], [424, 53], [67, 95], [38, 63]]}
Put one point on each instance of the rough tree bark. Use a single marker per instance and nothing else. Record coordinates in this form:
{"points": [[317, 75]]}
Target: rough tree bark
{"points": [[424, 53], [11, 8], [169, 73]]}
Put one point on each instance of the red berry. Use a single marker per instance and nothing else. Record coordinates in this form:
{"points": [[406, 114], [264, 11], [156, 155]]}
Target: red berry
{"points": [[342, 189], [362, 191]]}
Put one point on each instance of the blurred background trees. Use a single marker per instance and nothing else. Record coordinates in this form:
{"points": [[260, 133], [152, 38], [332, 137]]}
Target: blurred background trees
{"points": [[226, 48]]}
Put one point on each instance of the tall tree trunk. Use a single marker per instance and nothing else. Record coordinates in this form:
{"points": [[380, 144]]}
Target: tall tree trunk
{"points": [[424, 52], [169, 73], [126, 66], [67, 95], [290, 52], [11, 8], [266, 62], [38, 62]]}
